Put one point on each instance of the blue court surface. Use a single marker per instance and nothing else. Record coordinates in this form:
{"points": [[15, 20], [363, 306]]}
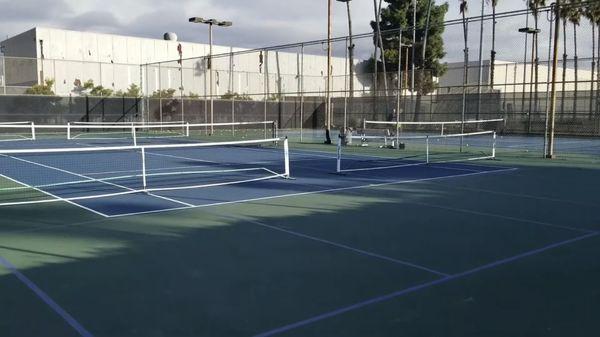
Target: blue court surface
{"points": [[110, 183], [215, 241]]}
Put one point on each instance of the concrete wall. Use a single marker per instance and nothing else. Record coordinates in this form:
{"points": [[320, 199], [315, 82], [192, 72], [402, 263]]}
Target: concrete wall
{"points": [[510, 76], [113, 61]]}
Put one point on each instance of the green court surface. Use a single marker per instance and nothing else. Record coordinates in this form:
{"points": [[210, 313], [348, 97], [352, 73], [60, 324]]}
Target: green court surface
{"points": [[511, 253]]}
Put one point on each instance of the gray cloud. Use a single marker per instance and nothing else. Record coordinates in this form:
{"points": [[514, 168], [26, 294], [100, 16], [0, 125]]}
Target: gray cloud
{"points": [[257, 23], [30, 10]]}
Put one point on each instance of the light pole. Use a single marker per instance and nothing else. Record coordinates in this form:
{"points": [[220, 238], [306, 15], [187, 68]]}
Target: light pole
{"points": [[534, 32], [210, 23], [328, 86], [350, 48]]}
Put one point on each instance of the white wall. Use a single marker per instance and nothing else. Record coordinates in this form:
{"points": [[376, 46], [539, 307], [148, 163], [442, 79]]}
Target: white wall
{"points": [[510, 76], [114, 62]]}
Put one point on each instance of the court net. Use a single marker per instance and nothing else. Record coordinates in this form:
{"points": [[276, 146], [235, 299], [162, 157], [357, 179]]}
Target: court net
{"points": [[14, 131], [439, 128], [367, 153], [71, 174], [132, 133]]}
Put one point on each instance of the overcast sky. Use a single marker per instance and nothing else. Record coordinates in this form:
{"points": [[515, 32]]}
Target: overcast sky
{"points": [[257, 23]]}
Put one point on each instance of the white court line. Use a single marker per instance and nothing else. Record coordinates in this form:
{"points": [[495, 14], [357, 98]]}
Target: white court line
{"points": [[56, 198], [314, 192], [72, 201], [332, 243]]}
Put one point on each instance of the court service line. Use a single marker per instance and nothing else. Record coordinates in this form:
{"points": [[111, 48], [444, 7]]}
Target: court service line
{"points": [[56, 198], [89, 178], [524, 196], [422, 286], [45, 298], [334, 244], [499, 216], [329, 190]]}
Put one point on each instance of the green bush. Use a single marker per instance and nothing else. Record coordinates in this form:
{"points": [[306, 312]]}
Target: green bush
{"points": [[42, 89]]}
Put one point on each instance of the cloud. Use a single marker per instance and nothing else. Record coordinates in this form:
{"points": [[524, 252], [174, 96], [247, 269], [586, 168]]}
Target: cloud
{"points": [[258, 23], [15, 12]]}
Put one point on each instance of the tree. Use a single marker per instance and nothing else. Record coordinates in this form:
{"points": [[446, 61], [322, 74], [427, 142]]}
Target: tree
{"points": [[592, 12], [42, 89], [398, 14], [95, 90], [164, 93], [245, 97], [132, 91]]}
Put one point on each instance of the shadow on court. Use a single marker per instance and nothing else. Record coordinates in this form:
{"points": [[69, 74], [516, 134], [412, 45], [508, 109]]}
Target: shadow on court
{"points": [[481, 255]]}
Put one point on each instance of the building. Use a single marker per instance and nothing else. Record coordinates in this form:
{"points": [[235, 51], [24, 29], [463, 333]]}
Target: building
{"points": [[514, 77], [116, 62]]}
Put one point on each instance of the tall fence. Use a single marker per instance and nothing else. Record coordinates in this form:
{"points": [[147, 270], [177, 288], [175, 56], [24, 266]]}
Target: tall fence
{"points": [[290, 84]]}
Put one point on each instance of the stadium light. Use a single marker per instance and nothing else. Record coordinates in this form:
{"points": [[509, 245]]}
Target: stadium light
{"points": [[350, 47], [534, 32], [210, 23]]}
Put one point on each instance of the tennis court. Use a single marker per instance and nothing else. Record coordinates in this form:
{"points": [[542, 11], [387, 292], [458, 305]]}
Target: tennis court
{"points": [[141, 230], [223, 240]]}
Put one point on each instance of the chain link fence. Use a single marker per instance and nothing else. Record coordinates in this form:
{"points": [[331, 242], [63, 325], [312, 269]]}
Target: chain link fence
{"points": [[289, 85]]}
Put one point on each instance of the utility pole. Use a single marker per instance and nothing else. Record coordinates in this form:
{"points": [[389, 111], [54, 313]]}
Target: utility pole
{"points": [[480, 75], [414, 46], [550, 147], [210, 23], [328, 89]]}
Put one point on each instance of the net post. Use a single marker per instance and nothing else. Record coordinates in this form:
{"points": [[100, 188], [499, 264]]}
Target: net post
{"points": [[133, 134], [69, 131], [286, 154], [339, 155], [144, 168], [494, 146], [427, 149], [443, 129], [187, 129], [397, 133], [32, 131]]}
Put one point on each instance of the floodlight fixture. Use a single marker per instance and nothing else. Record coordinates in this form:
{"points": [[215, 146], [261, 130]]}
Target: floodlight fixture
{"points": [[529, 30]]}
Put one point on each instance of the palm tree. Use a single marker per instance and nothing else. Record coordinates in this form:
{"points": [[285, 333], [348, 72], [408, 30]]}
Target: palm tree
{"points": [[574, 16], [494, 3], [595, 14], [589, 14], [592, 12]]}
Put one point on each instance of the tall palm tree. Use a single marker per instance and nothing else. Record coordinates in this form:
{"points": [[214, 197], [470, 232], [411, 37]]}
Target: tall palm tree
{"points": [[596, 16], [590, 15], [493, 3], [574, 17]]}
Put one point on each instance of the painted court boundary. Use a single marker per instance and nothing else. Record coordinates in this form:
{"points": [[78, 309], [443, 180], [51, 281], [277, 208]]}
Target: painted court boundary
{"points": [[334, 244], [45, 298], [422, 286], [329, 190]]}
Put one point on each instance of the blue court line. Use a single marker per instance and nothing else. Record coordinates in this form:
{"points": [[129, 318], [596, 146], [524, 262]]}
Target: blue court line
{"points": [[422, 286], [44, 297], [335, 244]]}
